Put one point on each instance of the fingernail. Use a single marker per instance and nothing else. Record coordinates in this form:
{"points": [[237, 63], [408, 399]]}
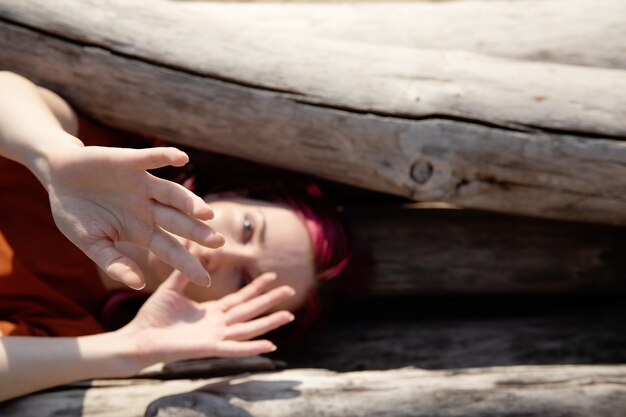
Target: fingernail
{"points": [[292, 317], [206, 282], [292, 292], [273, 348], [139, 288]]}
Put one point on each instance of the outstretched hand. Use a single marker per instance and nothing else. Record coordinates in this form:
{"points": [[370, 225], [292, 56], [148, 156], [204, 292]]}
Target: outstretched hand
{"points": [[171, 327], [100, 196]]}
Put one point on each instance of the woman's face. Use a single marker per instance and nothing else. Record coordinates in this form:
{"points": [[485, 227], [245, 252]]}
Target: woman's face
{"points": [[260, 237]]}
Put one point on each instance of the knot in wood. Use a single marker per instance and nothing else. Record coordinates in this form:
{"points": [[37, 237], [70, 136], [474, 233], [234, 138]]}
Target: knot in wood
{"points": [[421, 171]]}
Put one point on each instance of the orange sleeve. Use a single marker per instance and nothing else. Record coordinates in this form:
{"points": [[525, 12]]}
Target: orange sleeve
{"points": [[47, 285]]}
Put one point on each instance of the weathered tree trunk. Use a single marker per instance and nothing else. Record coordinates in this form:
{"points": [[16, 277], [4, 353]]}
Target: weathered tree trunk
{"points": [[484, 132], [530, 391]]}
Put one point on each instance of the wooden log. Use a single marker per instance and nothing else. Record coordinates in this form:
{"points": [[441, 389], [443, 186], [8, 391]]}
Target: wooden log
{"points": [[574, 32], [466, 332], [529, 391], [529, 138], [535, 365], [440, 251]]}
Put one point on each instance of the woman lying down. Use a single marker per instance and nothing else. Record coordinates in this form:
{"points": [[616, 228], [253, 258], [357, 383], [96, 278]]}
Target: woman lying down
{"points": [[81, 221]]}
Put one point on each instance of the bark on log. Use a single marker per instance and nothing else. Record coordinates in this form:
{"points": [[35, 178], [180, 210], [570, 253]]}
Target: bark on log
{"points": [[574, 32], [530, 138], [529, 391], [435, 251]]}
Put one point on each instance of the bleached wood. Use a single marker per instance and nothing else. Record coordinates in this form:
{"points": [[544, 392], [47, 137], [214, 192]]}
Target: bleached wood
{"points": [[575, 32], [432, 125], [527, 390]]}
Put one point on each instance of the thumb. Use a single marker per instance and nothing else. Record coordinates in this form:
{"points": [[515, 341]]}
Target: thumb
{"points": [[177, 281], [152, 158]]}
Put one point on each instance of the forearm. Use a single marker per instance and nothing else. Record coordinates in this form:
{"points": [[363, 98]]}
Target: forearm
{"points": [[29, 364], [29, 129]]}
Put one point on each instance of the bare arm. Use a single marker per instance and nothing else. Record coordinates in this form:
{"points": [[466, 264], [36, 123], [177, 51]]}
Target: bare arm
{"points": [[102, 196], [29, 364], [27, 116], [169, 327], [61, 110]]}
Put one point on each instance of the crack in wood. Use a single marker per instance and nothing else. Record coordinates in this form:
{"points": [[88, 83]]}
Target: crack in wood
{"points": [[187, 71], [507, 185], [510, 127], [300, 97], [576, 133]]}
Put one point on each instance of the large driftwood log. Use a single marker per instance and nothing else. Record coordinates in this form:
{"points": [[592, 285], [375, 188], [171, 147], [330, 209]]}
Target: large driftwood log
{"points": [[575, 32], [530, 391], [530, 138], [440, 251], [372, 339]]}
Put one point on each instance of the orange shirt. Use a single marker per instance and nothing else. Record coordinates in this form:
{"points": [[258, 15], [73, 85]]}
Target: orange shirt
{"points": [[48, 287]]}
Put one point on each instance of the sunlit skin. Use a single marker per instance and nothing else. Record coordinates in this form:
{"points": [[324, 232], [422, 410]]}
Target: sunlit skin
{"points": [[259, 237], [105, 202]]}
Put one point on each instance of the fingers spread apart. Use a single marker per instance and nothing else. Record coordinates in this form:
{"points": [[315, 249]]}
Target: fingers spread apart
{"points": [[179, 198], [258, 305], [253, 289], [181, 224], [171, 251], [257, 327]]}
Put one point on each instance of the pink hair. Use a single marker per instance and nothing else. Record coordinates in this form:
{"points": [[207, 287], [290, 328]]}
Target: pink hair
{"points": [[331, 250], [330, 245]]}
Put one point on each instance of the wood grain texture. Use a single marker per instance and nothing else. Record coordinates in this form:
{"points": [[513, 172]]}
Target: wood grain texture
{"points": [[514, 361], [574, 32], [529, 391], [466, 332], [435, 251], [482, 132]]}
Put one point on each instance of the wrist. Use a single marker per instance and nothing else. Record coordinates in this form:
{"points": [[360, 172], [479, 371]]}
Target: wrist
{"points": [[39, 161], [131, 355], [113, 354]]}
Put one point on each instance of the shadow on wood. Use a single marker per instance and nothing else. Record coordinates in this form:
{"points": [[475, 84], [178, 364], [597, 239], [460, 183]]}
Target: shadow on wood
{"points": [[434, 251]]}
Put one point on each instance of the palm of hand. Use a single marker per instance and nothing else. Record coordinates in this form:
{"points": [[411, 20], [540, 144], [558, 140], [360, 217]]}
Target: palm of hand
{"points": [[171, 327], [181, 327], [100, 196]]}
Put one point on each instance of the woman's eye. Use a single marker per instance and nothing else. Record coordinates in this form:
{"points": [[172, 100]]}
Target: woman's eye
{"points": [[247, 230], [244, 279]]}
